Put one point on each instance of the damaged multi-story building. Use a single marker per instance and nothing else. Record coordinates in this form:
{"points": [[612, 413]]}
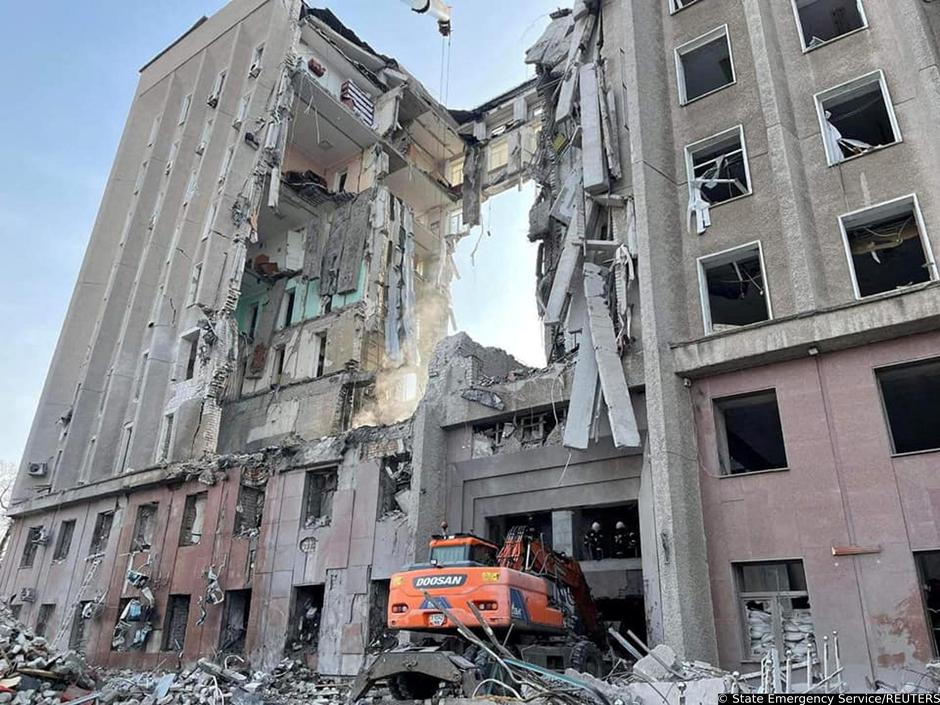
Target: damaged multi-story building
{"points": [[253, 417]]}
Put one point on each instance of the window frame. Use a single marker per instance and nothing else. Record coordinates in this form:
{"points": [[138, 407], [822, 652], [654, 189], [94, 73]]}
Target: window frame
{"points": [[706, 142], [124, 450], [929, 258], [741, 597], [165, 439], [884, 409], [186, 105], [674, 8], [799, 27], [721, 434], [325, 515], [503, 144], [844, 87], [697, 43], [700, 263]]}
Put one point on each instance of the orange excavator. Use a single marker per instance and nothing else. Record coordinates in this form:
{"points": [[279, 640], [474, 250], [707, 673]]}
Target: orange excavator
{"points": [[535, 600]]}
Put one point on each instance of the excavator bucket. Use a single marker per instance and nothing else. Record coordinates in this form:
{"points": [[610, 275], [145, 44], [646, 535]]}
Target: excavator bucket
{"points": [[415, 673]]}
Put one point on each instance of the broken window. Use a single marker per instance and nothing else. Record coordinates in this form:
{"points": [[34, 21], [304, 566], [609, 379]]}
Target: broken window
{"points": [[911, 397], [184, 107], [394, 483], [775, 608], [171, 158], [928, 570], [857, 117], [43, 618], [63, 542], [210, 220], [278, 363], [191, 347], [79, 631], [33, 542], [379, 637], [166, 437], [213, 100], [287, 313], [248, 511], [194, 284], [144, 526], [455, 224], [887, 247], [304, 630], [749, 433], [206, 134], [133, 625], [733, 289], [718, 172], [321, 354], [341, 179], [194, 516], [676, 5], [242, 114], [235, 612], [140, 375], [498, 154], [254, 315], [126, 438], [256, 57], [319, 486], [821, 21], [101, 533], [355, 395], [455, 172], [704, 65], [519, 433], [190, 187], [174, 627]]}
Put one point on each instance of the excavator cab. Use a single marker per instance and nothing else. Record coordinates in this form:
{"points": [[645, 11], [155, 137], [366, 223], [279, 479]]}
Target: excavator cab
{"points": [[461, 550]]}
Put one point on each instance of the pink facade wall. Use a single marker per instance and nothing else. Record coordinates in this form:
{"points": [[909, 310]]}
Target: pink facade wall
{"points": [[842, 488], [343, 562]]}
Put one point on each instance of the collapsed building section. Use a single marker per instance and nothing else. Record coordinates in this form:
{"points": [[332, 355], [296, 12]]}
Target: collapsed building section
{"points": [[254, 416]]}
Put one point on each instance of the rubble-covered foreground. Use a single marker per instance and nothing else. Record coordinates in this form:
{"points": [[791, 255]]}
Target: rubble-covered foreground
{"points": [[33, 673]]}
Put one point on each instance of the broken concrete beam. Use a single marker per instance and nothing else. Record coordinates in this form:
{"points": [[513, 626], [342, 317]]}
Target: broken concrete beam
{"points": [[593, 154], [609, 365], [484, 397], [580, 418], [471, 190], [656, 666], [551, 49], [564, 272], [563, 208], [610, 130], [583, 30]]}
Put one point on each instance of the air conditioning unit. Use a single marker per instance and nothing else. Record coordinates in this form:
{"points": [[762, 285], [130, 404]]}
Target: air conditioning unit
{"points": [[213, 101], [27, 595], [200, 148], [254, 71], [37, 469], [42, 538]]}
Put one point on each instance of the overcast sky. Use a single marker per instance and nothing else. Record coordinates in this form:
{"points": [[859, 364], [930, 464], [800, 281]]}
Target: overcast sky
{"points": [[70, 70]]}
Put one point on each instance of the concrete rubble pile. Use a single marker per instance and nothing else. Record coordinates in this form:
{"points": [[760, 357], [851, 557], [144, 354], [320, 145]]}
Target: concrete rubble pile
{"points": [[32, 672], [209, 683]]}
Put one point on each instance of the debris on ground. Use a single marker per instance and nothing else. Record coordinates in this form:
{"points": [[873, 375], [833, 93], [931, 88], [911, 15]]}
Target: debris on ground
{"points": [[32, 672]]}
